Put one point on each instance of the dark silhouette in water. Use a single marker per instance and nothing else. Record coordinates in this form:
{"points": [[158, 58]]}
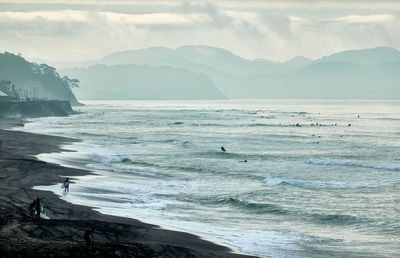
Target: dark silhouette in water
{"points": [[88, 236], [243, 160], [223, 149]]}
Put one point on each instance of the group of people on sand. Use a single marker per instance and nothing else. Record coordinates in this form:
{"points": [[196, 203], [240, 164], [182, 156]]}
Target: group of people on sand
{"points": [[35, 209]]}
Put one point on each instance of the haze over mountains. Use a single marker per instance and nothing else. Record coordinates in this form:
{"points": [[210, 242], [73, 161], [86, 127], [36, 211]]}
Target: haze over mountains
{"points": [[127, 82], [201, 72]]}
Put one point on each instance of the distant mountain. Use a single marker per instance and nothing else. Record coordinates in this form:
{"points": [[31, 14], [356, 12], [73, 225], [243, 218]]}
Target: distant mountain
{"points": [[329, 80], [371, 56], [189, 57], [133, 82], [366, 73], [297, 63], [36, 80]]}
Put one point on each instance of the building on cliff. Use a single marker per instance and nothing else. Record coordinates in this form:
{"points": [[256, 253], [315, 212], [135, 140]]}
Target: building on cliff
{"points": [[8, 88], [4, 97]]}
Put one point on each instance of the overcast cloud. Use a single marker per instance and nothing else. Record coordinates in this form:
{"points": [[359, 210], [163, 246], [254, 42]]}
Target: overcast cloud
{"points": [[79, 30]]}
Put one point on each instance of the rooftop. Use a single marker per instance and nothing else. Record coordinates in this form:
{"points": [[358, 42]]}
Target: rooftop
{"points": [[2, 94]]}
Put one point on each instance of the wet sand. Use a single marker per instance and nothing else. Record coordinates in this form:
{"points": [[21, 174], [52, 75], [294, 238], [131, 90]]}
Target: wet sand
{"points": [[62, 236]]}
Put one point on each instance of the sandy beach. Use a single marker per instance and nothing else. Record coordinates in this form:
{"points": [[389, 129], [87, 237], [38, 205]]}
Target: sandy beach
{"points": [[62, 235]]}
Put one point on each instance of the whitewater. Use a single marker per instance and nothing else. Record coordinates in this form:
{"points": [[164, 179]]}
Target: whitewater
{"points": [[322, 177]]}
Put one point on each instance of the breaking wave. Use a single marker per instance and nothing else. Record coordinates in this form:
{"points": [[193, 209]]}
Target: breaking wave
{"points": [[274, 181], [353, 164], [250, 207]]}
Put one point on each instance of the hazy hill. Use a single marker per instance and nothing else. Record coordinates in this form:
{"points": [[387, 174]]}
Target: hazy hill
{"points": [[366, 73], [329, 80], [191, 56], [35, 80], [371, 56], [297, 63], [127, 82]]}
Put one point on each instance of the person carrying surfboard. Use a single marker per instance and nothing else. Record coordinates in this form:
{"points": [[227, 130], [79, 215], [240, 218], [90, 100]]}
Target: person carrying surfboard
{"points": [[32, 208], [88, 236], [38, 208], [65, 185]]}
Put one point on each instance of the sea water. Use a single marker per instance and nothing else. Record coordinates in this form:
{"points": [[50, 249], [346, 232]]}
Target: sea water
{"points": [[322, 178]]}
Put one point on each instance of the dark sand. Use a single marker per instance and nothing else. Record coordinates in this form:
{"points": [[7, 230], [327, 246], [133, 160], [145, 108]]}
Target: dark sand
{"points": [[62, 236]]}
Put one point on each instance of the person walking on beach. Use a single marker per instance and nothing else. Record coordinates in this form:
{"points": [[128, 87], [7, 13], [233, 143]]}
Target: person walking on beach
{"points": [[66, 185], [88, 236], [37, 208], [32, 208]]}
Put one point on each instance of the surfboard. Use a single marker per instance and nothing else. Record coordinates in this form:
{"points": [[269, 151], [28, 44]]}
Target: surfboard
{"points": [[43, 214], [65, 184]]}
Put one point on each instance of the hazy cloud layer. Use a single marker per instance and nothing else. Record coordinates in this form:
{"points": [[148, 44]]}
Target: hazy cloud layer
{"points": [[77, 30]]}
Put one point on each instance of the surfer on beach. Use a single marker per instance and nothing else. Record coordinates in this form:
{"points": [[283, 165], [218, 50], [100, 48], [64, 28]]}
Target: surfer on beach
{"points": [[88, 236], [32, 208], [37, 204], [65, 185]]}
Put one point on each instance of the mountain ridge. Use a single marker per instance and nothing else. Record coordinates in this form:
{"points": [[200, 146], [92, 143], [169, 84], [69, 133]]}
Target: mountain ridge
{"points": [[130, 81], [365, 73]]}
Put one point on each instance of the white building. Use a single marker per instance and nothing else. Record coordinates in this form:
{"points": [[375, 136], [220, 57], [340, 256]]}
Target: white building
{"points": [[4, 97]]}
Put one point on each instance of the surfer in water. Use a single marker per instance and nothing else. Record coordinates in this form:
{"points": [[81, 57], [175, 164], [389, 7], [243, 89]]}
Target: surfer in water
{"points": [[66, 185], [223, 149], [243, 160]]}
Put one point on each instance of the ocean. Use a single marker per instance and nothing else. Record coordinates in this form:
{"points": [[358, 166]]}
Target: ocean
{"points": [[322, 177]]}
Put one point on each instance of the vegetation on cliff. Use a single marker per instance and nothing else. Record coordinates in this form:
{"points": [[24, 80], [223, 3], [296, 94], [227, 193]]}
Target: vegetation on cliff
{"points": [[36, 80]]}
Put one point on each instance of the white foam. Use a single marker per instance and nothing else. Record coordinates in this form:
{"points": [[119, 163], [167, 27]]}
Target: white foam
{"points": [[273, 181]]}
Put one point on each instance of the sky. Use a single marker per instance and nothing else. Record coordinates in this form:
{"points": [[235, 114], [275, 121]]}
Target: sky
{"points": [[269, 29]]}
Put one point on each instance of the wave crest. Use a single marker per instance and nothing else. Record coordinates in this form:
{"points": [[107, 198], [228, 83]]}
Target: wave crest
{"points": [[274, 181], [251, 207], [353, 164]]}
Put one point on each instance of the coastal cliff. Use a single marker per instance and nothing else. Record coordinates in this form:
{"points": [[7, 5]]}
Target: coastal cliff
{"points": [[38, 81]]}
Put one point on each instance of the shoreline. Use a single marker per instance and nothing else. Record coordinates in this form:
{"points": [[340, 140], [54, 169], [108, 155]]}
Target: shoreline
{"points": [[93, 173], [80, 165], [63, 235]]}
